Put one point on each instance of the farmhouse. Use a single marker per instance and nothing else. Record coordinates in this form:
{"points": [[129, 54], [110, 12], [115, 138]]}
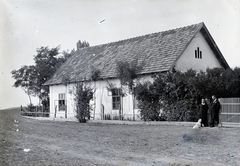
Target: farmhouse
{"points": [[190, 47]]}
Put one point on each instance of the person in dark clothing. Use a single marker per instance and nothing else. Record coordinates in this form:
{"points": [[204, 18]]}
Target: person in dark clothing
{"points": [[203, 114], [214, 111]]}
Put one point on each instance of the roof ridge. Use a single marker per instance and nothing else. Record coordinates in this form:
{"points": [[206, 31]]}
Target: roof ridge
{"points": [[77, 63], [100, 45]]}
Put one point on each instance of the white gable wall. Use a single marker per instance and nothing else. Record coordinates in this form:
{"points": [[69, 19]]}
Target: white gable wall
{"points": [[55, 90], [188, 60]]}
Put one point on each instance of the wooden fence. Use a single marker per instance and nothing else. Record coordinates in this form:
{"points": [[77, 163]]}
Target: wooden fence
{"points": [[35, 111], [230, 112]]}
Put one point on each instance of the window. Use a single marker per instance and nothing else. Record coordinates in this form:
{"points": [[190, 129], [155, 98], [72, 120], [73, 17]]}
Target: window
{"points": [[198, 53], [116, 99], [61, 101]]}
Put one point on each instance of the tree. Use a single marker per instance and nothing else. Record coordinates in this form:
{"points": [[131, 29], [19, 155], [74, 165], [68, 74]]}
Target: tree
{"points": [[47, 61], [95, 74], [232, 82], [26, 78], [31, 78], [46, 64], [128, 72], [82, 44], [67, 54], [83, 95], [216, 84]]}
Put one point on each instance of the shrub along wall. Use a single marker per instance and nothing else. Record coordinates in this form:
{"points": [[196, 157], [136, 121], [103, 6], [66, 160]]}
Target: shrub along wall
{"points": [[176, 96]]}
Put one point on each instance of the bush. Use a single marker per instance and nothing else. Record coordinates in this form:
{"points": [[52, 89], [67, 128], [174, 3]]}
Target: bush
{"points": [[175, 96], [148, 101], [169, 97], [83, 95]]}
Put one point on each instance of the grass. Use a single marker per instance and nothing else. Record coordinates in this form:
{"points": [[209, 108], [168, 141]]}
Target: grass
{"points": [[72, 143]]}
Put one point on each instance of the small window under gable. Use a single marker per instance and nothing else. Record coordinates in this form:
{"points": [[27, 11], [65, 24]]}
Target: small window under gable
{"points": [[198, 53]]}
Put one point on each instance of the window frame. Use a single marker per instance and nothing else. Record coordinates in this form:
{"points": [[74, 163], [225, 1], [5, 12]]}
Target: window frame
{"points": [[116, 98], [62, 102]]}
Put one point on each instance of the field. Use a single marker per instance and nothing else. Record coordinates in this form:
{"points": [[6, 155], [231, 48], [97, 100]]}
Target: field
{"points": [[72, 143]]}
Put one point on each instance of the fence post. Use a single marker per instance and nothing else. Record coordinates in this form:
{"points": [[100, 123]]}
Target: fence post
{"points": [[21, 110]]}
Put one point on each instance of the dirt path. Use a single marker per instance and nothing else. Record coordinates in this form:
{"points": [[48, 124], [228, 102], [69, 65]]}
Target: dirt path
{"points": [[71, 143]]}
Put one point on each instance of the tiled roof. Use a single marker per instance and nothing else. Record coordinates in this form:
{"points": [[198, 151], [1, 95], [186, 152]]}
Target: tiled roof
{"points": [[159, 52]]}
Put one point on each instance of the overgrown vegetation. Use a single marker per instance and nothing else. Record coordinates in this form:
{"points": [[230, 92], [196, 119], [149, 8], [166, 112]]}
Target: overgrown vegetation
{"points": [[83, 95], [175, 96], [94, 74], [128, 73]]}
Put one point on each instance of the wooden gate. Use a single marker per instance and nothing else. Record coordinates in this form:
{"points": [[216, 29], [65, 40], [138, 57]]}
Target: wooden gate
{"points": [[230, 112]]}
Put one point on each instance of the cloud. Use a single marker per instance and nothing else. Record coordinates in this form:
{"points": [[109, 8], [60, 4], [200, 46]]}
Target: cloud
{"points": [[29, 24]]}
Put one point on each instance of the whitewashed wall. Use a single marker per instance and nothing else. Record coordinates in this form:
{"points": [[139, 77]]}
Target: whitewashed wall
{"points": [[102, 102], [188, 60], [69, 97]]}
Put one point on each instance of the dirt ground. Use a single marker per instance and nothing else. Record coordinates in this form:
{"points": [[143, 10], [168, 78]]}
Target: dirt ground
{"points": [[72, 143]]}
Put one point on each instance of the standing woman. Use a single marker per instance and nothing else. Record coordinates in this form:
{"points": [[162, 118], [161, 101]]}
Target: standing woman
{"points": [[204, 113]]}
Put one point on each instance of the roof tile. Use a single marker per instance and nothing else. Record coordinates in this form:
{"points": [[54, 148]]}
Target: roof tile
{"points": [[158, 51]]}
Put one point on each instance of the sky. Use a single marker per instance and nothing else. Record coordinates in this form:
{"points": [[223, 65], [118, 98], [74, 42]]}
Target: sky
{"points": [[29, 24]]}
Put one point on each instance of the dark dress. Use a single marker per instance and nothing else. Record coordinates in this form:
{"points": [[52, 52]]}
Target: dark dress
{"points": [[203, 114]]}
